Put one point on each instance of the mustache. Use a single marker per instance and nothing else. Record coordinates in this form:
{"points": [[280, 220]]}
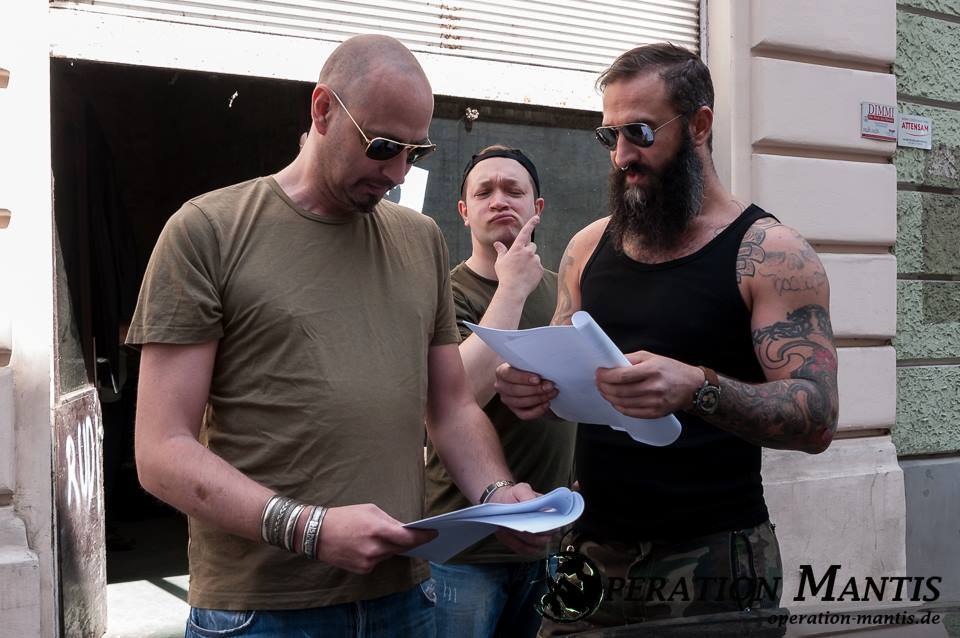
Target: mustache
{"points": [[659, 212], [635, 167]]}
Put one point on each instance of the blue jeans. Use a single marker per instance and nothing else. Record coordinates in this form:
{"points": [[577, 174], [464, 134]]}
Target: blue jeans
{"points": [[492, 599], [407, 613]]}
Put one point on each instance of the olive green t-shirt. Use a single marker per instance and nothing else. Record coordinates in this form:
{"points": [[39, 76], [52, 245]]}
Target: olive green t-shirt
{"points": [[320, 380], [539, 452]]}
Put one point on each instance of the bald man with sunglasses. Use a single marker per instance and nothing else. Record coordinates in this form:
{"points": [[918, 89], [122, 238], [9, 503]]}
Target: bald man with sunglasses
{"points": [[295, 329], [723, 313]]}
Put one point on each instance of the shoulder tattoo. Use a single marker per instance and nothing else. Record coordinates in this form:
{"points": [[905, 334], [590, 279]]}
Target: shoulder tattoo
{"points": [[751, 252]]}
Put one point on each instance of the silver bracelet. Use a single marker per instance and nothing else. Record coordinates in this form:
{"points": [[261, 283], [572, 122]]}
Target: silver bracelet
{"points": [[279, 517], [291, 526], [312, 531], [265, 517], [316, 546]]}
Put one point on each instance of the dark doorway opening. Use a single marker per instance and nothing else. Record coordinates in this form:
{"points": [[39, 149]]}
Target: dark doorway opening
{"points": [[130, 145]]}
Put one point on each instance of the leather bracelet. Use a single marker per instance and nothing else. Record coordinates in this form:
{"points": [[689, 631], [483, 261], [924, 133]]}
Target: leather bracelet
{"points": [[493, 487]]}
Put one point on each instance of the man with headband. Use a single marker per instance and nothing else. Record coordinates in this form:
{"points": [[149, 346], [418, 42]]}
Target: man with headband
{"points": [[489, 590]]}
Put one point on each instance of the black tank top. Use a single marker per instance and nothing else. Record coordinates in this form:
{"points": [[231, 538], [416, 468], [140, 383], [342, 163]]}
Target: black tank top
{"points": [[689, 309]]}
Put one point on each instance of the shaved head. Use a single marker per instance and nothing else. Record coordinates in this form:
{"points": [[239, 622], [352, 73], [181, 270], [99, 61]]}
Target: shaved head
{"points": [[370, 87], [361, 65]]}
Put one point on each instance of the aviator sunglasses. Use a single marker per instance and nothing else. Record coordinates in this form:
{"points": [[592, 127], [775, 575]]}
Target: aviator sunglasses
{"points": [[639, 133], [382, 149]]}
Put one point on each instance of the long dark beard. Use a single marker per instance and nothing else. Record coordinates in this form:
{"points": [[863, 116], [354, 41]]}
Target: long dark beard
{"points": [[658, 215]]}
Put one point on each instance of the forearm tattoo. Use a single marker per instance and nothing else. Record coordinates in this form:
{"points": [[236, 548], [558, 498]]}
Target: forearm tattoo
{"points": [[795, 413], [565, 305]]}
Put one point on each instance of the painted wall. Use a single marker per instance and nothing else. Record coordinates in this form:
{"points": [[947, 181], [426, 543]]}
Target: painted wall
{"points": [[27, 573], [790, 76], [927, 436]]}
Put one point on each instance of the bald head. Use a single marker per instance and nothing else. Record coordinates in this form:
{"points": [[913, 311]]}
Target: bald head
{"points": [[364, 64]]}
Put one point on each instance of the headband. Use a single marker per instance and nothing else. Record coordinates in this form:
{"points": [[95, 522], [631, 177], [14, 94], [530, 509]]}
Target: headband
{"points": [[514, 153]]}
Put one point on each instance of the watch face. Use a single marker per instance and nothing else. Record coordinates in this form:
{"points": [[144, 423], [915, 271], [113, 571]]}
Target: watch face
{"points": [[708, 399]]}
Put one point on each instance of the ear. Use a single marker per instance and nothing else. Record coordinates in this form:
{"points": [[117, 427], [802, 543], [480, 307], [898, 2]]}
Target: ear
{"points": [[538, 206], [462, 209], [701, 125], [320, 103]]}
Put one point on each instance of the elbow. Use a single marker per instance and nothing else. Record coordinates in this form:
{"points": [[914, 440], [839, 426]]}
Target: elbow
{"points": [[819, 445], [822, 436], [148, 472], [146, 476]]}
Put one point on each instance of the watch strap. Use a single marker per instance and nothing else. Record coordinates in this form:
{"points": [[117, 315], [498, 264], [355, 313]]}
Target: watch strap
{"points": [[710, 376]]}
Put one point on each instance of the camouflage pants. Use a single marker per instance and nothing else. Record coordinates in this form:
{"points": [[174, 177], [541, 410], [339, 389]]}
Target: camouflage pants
{"points": [[722, 572]]}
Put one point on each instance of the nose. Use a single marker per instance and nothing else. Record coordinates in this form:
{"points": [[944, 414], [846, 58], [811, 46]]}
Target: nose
{"points": [[395, 169], [498, 201], [625, 152]]}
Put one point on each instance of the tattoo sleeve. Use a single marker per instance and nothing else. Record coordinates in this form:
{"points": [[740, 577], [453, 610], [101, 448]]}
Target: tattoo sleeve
{"points": [[799, 412]]}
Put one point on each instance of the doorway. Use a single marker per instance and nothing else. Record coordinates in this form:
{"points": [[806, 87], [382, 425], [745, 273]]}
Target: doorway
{"points": [[129, 146]]}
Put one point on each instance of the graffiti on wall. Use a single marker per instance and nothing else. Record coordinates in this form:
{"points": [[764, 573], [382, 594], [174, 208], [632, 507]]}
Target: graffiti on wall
{"points": [[80, 507], [82, 458]]}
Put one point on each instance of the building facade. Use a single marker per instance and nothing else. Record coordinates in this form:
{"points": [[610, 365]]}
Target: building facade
{"points": [[790, 77], [927, 436]]}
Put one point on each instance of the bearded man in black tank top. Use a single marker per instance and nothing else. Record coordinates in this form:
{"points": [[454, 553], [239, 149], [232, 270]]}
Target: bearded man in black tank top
{"points": [[723, 313]]}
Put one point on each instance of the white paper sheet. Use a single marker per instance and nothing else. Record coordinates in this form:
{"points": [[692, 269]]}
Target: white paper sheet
{"points": [[569, 357], [462, 528]]}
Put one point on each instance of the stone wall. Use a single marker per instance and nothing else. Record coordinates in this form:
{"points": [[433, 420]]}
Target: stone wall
{"points": [[790, 76], [927, 436]]}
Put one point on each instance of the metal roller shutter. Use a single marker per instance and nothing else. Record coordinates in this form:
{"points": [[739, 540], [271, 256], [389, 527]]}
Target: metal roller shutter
{"points": [[577, 35]]}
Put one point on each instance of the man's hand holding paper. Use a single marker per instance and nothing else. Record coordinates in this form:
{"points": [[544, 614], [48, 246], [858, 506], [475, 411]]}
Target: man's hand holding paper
{"points": [[524, 392], [528, 519], [562, 368], [521, 542], [653, 386]]}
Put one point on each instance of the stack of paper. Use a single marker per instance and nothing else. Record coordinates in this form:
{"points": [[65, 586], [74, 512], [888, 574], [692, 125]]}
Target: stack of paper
{"points": [[569, 357], [462, 528]]}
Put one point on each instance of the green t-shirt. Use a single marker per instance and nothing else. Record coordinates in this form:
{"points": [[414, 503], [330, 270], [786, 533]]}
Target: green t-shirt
{"points": [[320, 380], [539, 452]]}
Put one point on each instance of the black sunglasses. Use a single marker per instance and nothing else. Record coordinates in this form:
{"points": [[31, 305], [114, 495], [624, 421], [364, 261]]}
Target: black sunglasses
{"points": [[639, 133], [383, 149]]}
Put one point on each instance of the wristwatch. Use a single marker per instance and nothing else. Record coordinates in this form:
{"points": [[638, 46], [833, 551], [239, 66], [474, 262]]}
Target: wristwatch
{"points": [[707, 396], [493, 487]]}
